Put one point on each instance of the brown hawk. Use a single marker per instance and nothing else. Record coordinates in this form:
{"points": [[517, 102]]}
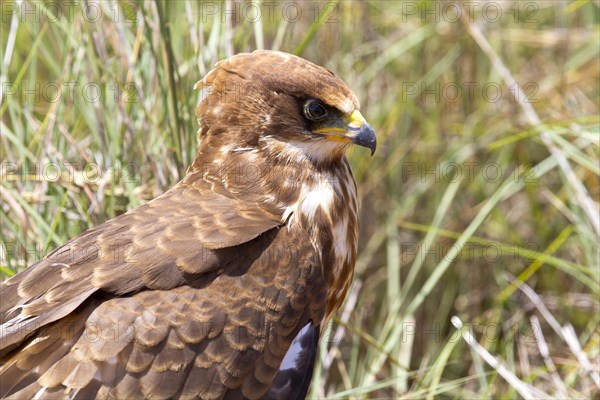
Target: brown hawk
{"points": [[219, 287]]}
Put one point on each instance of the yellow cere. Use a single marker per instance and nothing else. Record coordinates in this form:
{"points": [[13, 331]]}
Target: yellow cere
{"points": [[356, 119]]}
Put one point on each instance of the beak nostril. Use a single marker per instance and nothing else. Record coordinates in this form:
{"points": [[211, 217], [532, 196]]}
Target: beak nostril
{"points": [[356, 120]]}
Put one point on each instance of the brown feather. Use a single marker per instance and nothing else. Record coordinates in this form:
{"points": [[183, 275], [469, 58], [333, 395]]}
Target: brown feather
{"points": [[200, 292]]}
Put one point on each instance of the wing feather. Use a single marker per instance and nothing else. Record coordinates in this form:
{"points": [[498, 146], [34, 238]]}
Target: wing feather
{"points": [[295, 372], [222, 338], [135, 251]]}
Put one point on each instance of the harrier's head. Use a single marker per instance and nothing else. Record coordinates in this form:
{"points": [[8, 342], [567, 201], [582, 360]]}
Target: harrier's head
{"points": [[282, 104]]}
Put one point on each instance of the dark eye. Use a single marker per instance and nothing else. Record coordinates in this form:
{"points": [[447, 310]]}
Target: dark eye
{"points": [[314, 110]]}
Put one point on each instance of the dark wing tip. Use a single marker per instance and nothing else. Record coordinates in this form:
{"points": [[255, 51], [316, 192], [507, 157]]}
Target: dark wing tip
{"points": [[293, 378]]}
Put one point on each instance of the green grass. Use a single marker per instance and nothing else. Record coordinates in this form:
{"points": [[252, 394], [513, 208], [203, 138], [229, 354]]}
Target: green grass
{"points": [[477, 207]]}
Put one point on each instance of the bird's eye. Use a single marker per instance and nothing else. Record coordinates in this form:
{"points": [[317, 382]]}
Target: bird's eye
{"points": [[314, 110]]}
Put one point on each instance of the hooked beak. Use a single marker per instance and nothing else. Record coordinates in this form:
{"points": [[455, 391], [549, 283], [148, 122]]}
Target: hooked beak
{"points": [[360, 132], [354, 129]]}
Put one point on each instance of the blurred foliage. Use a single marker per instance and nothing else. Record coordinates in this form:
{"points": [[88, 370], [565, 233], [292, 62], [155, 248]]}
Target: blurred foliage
{"points": [[462, 198]]}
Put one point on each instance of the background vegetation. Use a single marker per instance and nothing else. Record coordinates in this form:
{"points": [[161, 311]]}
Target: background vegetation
{"points": [[479, 209]]}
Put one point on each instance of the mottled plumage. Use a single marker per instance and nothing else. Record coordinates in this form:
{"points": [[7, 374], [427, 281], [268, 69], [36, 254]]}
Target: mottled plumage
{"points": [[201, 292]]}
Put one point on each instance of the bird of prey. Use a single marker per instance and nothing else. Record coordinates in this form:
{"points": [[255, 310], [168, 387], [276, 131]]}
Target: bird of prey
{"points": [[220, 287]]}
